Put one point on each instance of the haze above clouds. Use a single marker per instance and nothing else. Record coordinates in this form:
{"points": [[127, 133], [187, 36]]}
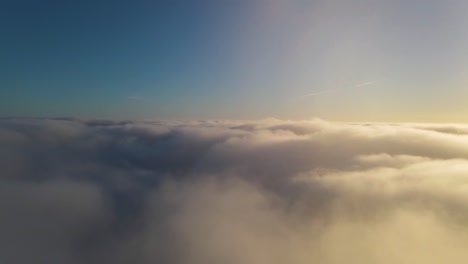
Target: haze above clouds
{"points": [[253, 192]]}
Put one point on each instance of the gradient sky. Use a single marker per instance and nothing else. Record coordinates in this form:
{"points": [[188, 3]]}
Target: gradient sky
{"points": [[345, 60]]}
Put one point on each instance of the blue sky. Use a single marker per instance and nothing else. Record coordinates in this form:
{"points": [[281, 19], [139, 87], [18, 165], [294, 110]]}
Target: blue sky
{"points": [[366, 60]]}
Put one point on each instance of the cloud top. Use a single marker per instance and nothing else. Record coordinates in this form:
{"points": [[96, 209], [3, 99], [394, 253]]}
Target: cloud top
{"points": [[270, 191]]}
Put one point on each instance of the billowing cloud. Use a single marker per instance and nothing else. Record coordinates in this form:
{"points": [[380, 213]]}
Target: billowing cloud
{"points": [[79, 191]]}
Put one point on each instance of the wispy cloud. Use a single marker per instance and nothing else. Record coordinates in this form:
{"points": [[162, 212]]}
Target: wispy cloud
{"points": [[321, 92], [339, 89], [138, 98]]}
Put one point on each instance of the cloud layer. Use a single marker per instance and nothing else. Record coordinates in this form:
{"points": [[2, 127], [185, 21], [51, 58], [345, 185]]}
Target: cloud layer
{"points": [[253, 192]]}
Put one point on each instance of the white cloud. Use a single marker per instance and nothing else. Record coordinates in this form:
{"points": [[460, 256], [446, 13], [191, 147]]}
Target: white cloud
{"points": [[271, 191]]}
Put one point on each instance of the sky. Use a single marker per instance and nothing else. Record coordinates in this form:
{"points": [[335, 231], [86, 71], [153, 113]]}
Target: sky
{"points": [[360, 60]]}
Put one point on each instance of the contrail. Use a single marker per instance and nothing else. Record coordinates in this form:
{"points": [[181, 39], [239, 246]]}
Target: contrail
{"points": [[138, 98], [364, 84], [321, 92], [334, 90]]}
